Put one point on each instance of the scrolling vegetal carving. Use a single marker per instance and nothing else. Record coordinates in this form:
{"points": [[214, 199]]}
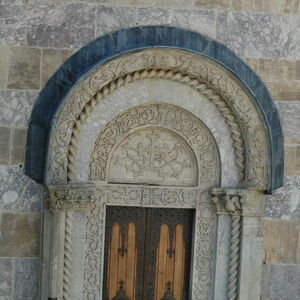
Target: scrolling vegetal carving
{"points": [[93, 199], [218, 85], [164, 116]]}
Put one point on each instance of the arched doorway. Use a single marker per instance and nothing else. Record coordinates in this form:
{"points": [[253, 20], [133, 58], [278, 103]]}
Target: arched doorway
{"points": [[159, 124]]}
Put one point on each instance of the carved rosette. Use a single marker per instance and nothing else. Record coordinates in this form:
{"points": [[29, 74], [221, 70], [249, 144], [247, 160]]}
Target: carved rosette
{"points": [[193, 65]]}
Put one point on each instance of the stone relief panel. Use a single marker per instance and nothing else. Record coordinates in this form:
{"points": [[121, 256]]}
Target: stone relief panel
{"points": [[171, 118], [154, 90], [153, 156], [95, 87]]}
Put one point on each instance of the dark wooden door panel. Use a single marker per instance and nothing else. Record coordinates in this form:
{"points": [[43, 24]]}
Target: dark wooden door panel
{"points": [[147, 253], [124, 252], [167, 253]]}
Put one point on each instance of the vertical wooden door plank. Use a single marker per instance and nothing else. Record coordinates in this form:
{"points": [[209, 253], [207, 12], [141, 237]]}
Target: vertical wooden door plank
{"points": [[122, 255], [179, 263], [131, 261], [161, 263], [113, 261]]}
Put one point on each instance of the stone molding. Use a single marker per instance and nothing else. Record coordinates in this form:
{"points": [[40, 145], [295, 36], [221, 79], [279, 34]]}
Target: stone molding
{"points": [[66, 197], [163, 117], [237, 204], [93, 199], [198, 72]]}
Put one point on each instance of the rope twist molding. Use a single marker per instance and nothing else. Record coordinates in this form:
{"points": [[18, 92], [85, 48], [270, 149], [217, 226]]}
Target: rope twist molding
{"points": [[234, 258], [163, 74], [67, 267]]}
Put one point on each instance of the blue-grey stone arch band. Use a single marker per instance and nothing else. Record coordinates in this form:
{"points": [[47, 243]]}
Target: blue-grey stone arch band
{"points": [[125, 41]]}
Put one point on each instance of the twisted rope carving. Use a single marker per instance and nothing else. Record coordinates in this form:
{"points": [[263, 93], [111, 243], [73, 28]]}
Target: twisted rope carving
{"points": [[203, 88], [67, 255], [234, 258]]}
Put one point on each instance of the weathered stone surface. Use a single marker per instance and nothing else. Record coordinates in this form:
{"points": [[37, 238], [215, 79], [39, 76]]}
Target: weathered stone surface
{"points": [[281, 241], [289, 113], [26, 279], [292, 159], [20, 234], [18, 192], [284, 90], [129, 2], [278, 70], [199, 20], [24, 68], [252, 63], [175, 3], [3, 66], [60, 25], [280, 282], [51, 60], [242, 5], [213, 4], [6, 277], [12, 24], [285, 202], [274, 6], [16, 107], [18, 146], [153, 16], [260, 35], [113, 18], [5, 141]]}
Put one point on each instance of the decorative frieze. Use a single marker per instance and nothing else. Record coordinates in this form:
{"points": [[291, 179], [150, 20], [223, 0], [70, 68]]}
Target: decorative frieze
{"points": [[81, 197]]}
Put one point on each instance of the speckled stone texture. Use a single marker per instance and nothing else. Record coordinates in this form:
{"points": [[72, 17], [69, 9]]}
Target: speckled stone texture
{"points": [[280, 282], [15, 107], [113, 18], [12, 23], [6, 278], [60, 25], [205, 20], [289, 113], [260, 35], [26, 279], [18, 192], [285, 202], [153, 16]]}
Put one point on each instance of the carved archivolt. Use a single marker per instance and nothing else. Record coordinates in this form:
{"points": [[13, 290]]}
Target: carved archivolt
{"points": [[189, 68], [173, 160]]}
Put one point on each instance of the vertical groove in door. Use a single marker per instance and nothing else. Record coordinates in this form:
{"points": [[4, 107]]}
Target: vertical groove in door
{"points": [[113, 261]]}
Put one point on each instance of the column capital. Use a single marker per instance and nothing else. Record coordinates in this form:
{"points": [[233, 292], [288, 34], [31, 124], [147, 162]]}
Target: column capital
{"points": [[237, 202]]}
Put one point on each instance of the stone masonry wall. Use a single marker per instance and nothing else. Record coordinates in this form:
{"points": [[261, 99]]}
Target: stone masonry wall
{"points": [[37, 36]]}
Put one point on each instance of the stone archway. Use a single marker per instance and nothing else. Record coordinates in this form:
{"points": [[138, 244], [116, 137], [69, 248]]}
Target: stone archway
{"points": [[220, 143]]}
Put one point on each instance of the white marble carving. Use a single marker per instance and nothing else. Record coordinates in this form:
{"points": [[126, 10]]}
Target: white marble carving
{"points": [[143, 91], [153, 156]]}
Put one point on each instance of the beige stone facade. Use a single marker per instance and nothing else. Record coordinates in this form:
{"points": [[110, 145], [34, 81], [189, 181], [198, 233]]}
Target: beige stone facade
{"points": [[37, 36]]}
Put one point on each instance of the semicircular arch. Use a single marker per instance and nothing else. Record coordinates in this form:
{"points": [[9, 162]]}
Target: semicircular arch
{"points": [[185, 54]]}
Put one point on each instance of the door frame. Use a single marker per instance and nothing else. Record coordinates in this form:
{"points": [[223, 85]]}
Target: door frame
{"points": [[93, 201]]}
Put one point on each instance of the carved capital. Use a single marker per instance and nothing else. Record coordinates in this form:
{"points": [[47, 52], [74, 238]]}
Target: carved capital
{"points": [[70, 197], [229, 201], [238, 202]]}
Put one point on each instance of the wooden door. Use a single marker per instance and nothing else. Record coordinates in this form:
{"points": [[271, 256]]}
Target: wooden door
{"points": [[147, 253]]}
